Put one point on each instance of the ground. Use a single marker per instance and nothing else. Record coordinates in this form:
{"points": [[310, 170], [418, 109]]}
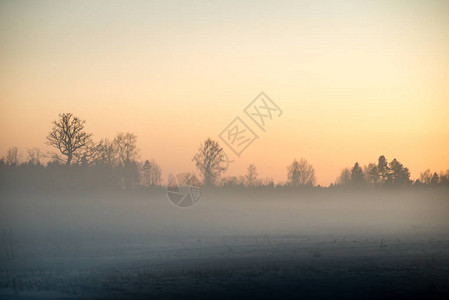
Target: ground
{"points": [[140, 247]]}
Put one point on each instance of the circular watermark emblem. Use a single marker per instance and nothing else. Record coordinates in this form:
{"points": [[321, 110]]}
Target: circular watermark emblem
{"points": [[184, 190], [226, 162]]}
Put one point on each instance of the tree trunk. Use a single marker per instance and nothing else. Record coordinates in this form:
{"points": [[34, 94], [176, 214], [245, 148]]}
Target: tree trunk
{"points": [[69, 160]]}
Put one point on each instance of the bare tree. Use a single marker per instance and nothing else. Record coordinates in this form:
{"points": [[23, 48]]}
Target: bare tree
{"points": [[371, 174], [89, 155], [267, 181], [13, 156], [444, 177], [301, 173], [210, 161], [345, 177], [126, 147], [230, 181], [126, 151], [425, 177], [251, 175], [151, 173], [34, 156], [54, 158], [107, 154], [68, 135]]}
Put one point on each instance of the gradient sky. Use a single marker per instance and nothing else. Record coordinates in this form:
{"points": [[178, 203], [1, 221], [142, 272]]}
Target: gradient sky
{"points": [[355, 79]]}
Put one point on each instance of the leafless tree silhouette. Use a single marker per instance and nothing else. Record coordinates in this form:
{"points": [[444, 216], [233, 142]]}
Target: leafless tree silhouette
{"points": [[126, 147], [88, 155], [13, 156], [151, 173], [345, 177], [425, 177], [210, 160], [68, 135], [251, 176], [301, 173], [34, 156], [107, 154]]}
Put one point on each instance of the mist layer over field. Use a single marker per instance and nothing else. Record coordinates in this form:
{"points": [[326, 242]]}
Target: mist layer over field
{"points": [[85, 215], [246, 243]]}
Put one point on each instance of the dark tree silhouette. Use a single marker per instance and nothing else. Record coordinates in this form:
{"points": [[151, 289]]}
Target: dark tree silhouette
{"points": [[151, 173], [435, 179], [126, 147], [129, 174], [107, 154], [383, 170], [230, 181], [398, 173], [251, 175], [13, 156], [301, 173], [444, 177], [425, 177], [345, 177], [372, 174], [88, 155], [34, 156], [210, 161], [68, 136], [357, 177]]}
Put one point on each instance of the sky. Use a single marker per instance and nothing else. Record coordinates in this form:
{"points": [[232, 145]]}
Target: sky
{"points": [[354, 79]]}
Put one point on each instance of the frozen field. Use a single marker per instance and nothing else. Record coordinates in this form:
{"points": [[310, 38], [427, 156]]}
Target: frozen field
{"points": [[389, 245]]}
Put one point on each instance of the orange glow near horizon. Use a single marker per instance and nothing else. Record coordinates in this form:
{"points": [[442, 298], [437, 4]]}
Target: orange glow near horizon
{"points": [[354, 79]]}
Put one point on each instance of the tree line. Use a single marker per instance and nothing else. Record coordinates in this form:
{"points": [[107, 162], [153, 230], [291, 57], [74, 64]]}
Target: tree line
{"points": [[78, 160], [384, 173]]}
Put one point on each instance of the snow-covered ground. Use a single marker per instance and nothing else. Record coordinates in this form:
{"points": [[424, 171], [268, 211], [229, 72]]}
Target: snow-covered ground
{"points": [[361, 245]]}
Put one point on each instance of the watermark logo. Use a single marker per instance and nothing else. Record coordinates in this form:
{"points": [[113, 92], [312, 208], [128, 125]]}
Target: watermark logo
{"points": [[237, 136], [184, 190], [226, 162], [262, 110]]}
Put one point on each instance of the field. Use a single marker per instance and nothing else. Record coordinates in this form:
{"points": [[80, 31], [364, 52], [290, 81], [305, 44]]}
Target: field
{"points": [[232, 245]]}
